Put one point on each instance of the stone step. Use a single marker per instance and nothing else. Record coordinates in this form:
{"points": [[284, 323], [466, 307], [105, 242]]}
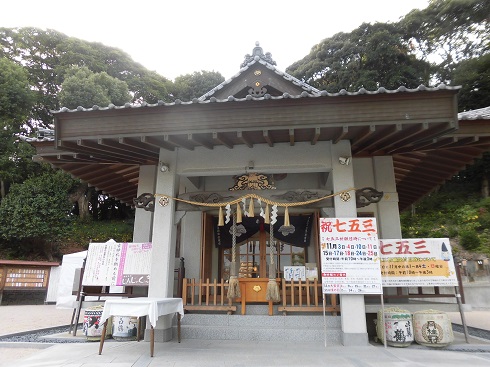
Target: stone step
{"points": [[261, 327]]}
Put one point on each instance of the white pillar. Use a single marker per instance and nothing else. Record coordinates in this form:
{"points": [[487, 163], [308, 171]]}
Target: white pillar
{"points": [[163, 240], [388, 212], [353, 311], [190, 246], [143, 219]]}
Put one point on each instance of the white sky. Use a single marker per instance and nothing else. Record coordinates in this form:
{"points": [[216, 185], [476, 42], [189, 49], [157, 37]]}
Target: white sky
{"points": [[182, 36]]}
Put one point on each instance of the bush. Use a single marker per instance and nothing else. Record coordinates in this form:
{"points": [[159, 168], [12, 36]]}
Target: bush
{"points": [[36, 213], [469, 240], [37, 209], [82, 233]]}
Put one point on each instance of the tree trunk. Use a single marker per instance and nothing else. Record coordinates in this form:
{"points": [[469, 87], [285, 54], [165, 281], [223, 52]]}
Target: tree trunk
{"points": [[2, 189], [484, 187], [82, 195]]}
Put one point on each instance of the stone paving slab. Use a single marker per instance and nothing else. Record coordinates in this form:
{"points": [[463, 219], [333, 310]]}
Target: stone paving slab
{"points": [[224, 353]]}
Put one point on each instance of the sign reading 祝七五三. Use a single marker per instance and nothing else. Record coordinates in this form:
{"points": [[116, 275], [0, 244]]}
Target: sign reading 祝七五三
{"points": [[350, 256]]}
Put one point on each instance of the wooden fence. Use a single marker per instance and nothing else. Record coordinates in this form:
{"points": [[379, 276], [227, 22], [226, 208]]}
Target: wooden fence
{"points": [[295, 297], [206, 296]]}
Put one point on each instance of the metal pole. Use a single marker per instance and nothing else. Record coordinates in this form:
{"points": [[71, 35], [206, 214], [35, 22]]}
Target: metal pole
{"points": [[324, 320], [461, 312], [383, 318]]}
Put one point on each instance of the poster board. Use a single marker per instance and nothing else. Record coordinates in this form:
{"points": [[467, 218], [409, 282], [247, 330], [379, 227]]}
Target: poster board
{"points": [[118, 264], [417, 262], [295, 273], [311, 271], [350, 257]]}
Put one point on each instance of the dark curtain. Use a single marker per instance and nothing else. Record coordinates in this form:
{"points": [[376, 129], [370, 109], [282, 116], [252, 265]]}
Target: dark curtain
{"points": [[297, 234]]}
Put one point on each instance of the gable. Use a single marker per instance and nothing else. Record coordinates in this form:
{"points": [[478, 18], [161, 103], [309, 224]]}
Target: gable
{"points": [[257, 81], [259, 77]]}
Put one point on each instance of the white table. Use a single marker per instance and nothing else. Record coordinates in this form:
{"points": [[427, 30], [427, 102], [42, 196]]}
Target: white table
{"points": [[152, 307]]}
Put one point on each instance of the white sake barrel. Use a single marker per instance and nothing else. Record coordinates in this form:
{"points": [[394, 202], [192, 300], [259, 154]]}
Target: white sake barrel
{"points": [[92, 327], [398, 327], [124, 328], [433, 328]]}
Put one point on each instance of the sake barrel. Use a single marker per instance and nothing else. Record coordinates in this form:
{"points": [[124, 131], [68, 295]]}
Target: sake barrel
{"points": [[398, 327], [124, 328], [433, 328], [92, 327]]}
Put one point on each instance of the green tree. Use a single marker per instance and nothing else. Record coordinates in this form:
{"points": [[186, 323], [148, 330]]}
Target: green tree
{"points": [[35, 213], [49, 56], [473, 75], [16, 100], [448, 31], [189, 86], [86, 88], [371, 56]]}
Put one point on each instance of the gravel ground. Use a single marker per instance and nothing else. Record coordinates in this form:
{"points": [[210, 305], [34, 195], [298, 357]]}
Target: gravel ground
{"points": [[40, 336], [473, 331]]}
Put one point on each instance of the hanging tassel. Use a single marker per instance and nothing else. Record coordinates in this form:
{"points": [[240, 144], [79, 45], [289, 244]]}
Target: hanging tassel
{"points": [[273, 292], [221, 220], [251, 208], [286, 217], [267, 214], [234, 284], [238, 213]]}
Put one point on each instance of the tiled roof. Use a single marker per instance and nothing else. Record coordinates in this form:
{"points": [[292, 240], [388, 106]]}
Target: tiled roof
{"points": [[479, 114], [313, 93], [257, 59], [42, 134]]}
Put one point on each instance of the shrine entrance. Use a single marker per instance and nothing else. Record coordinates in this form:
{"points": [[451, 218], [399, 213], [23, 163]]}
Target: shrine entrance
{"points": [[253, 253]]}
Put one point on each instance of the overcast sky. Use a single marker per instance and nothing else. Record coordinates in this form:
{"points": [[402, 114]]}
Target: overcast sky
{"points": [[183, 36]]}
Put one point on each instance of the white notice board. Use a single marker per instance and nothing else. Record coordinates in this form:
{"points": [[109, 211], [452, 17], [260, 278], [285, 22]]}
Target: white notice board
{"points": [[118, 264], [350, 256], [295, 273]]}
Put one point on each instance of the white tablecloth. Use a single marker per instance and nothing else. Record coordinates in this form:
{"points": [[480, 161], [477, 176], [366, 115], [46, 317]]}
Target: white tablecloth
{"points": [[152, 306]]}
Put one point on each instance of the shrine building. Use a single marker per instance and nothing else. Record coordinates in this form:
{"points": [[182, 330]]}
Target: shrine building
{"points": [[287, 148]]}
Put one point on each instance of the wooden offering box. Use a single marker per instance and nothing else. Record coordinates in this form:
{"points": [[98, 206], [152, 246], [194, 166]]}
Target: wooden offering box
{"points": [[254, 290]]}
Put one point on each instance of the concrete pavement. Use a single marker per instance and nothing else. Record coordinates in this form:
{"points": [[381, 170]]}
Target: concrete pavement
{"points": [[224, 353]]}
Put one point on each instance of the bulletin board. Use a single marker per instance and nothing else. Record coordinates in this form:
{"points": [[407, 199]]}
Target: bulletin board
{"points": [[118, 264], [417, 262], [350, 256]]}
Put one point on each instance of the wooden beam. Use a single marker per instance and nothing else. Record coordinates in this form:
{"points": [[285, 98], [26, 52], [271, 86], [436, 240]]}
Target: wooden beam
{"points": [[220, 139], [240, 135], [362, 137], [176, 142], [343, 133], [91, 148], [157, 143], [125, 149], [139, 145], [316, 136], [291, 137], [265, 134], [199, 141]]}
